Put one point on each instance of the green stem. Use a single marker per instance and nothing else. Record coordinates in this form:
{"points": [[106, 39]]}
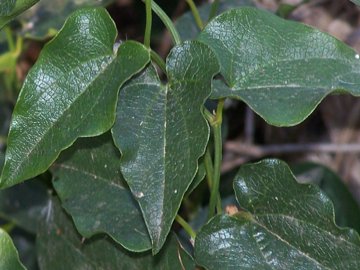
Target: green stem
{"points": [[216, 125], [214, 9], [158, 60], [196, 14], [167, 22], [9, 39], [8, 227], [185, 226], [209, 175], [147, 36]]}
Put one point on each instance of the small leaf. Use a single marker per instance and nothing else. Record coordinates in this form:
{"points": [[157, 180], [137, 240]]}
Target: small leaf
{"points": [[71, 92], [8, 253], [278, 66], [9, 9], [162, 133], [347, 211], [288, 226], [88, 181], [58, 239]]}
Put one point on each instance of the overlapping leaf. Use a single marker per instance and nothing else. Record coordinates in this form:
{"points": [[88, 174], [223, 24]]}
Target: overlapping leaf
{"points": [[9, 9], [287, 226], [161, 133], [71, 92], [47, 17], [8, 253], [88, 180], [58, 239], [281, 69]]}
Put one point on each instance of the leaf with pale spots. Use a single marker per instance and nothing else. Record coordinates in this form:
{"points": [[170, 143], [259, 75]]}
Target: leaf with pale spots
{"points": [[285, 225], [281, 69], [88, 181], [162, 133], [70, 92]]}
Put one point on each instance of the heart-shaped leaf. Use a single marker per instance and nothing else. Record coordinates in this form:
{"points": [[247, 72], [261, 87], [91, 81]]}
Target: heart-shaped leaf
{"points": [[88, 181], [58, 239], [71, 92], [281, 69], [8, 253], [288, 226], [162, 133], [9, 9]]}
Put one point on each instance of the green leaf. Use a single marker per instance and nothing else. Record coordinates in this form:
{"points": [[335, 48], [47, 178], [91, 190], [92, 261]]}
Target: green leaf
{"points": [[162, 133], [47, 17], [6, 6], [71, 92], [199, 177], [24, 204], [186, 25], [288, 226], [347, 211], [13, 8], [58, 239], [357, 2], [88, 181], [281, 69], [8, 253]]}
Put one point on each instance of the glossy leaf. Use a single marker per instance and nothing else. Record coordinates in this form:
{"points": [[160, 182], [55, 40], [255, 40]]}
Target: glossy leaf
{"points": [[162, 133], [88, 181], [71, 92], [13, 8], [186, 25], [288, 226], [8, 253], [47, 17], [281, 69], [199, 177], [25, 204], [58, 239], [347, 211]]}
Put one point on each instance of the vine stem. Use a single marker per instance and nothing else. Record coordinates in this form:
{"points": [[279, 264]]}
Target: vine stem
{"points": [[147, 35], [158, 60], [214, 9], [196, 14], [185, 226], [216, 125], [167, 22], [209, 168]]}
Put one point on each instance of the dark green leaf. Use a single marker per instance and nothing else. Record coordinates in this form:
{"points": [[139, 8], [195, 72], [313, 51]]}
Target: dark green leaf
{"points": [[13, 9], [162, 133], [8, 253], [47, 17], [186, 25], [199, 177], [357, 2], [279, 66], [58, 240], [71, 92], [288, 226], [24, 204], [87, 178], [347, 211]]}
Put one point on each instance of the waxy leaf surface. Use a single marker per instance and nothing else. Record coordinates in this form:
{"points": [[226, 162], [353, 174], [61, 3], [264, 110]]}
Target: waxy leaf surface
{"points": [[9, 9], [8, 253], [288, 226], [88, 181], [281, 69], [58, 239], [71, 92], [162, 133]]}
